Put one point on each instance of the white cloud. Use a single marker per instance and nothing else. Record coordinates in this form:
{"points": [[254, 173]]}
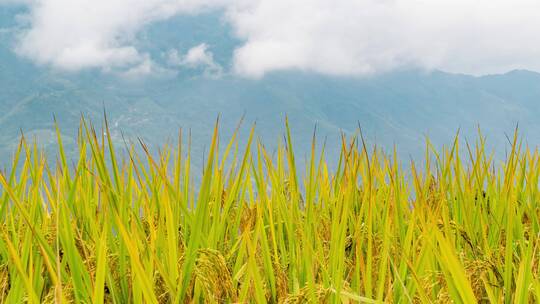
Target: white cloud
{"points": [[173, 57], [368, 36], [339, 37], [78, 34], [147, 67], [197, 56]]}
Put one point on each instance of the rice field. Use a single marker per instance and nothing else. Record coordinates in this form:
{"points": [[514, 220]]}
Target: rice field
{"points": [[107, 228]]}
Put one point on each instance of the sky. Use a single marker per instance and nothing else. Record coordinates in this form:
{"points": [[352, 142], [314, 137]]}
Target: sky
{"points": [[338, 37]]}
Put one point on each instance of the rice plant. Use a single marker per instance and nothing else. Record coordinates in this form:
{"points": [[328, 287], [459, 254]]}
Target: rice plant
{"points": [[136, 228]]}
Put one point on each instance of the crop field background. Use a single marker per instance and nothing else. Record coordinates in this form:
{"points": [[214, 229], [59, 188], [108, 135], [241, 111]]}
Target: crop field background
{"points": [[464, 228]]}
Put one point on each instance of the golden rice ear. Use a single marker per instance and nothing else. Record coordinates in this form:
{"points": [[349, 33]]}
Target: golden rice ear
{"points": [[4, 282], [212, 273]]}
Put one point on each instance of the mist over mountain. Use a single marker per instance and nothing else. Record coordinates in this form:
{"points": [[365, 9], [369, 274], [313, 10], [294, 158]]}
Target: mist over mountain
{"points": [[394, 108]]}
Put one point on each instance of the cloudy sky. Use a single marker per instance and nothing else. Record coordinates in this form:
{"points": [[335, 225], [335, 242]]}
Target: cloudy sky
{"points": [[338, 37]]}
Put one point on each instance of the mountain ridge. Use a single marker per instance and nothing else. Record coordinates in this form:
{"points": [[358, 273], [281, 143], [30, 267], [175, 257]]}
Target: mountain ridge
{"points": [[400, 107]]}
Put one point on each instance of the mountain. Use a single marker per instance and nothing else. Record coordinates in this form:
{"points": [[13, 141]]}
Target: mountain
{"points": [[399, 108]]}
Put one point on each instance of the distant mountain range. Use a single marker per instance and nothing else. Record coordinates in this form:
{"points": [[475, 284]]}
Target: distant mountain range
{"points": [[396, 108]]}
